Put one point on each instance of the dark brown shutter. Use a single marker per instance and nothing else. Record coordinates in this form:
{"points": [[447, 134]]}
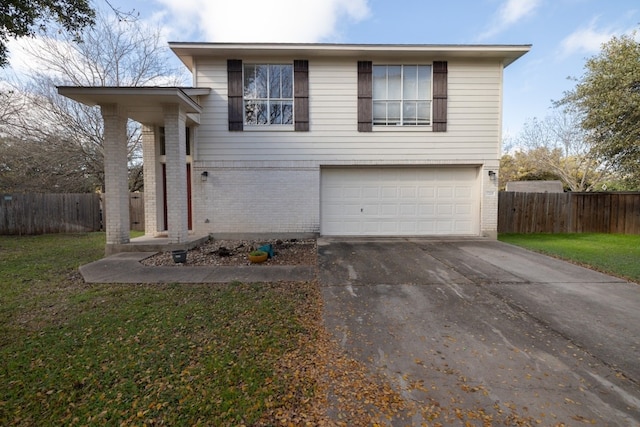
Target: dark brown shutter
{"points": [[365, 98], [301, 94], [439, 96], [234, 76]]}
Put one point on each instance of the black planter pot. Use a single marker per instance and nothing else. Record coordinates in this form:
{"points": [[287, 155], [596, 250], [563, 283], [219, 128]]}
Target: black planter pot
{"points": [[179, 256]]}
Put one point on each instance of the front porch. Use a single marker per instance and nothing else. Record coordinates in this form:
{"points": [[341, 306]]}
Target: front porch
{"points": [[158, 243], [166, 115]]}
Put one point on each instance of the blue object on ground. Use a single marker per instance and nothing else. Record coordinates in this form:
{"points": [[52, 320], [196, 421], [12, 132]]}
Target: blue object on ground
{"points": [[268, 249]]}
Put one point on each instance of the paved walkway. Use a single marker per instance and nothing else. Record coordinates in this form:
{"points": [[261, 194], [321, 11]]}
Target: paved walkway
{"points": [[125, 267]]}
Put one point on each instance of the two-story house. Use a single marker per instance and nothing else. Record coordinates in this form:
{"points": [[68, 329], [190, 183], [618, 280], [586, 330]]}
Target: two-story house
{"points": [[308, 139]]}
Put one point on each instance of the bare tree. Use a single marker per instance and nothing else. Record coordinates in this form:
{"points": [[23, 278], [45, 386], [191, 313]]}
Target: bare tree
{"points": [[560, 147], [42, 166], [114, 52], [10, 106]]}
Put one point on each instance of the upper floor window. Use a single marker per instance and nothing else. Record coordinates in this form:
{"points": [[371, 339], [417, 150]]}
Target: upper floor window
{"points": [[268, 94], [401, 95]]}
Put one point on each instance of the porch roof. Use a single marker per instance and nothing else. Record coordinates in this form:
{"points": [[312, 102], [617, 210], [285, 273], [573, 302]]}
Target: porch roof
{"points": [[142, 104]]}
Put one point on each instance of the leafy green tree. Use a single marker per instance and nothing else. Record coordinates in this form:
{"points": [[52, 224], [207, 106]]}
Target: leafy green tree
{"points": [[20, 18], [608, 98]]}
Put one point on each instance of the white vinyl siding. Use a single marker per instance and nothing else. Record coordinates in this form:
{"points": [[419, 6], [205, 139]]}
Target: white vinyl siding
{"points": [[473, 123]]}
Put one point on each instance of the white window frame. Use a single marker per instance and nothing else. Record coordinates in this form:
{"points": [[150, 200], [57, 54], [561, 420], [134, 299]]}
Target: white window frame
{"points": [[401, 123], [268, 100]]}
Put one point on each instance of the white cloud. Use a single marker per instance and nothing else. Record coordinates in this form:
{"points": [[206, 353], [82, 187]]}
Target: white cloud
{"points": [[262, 20], [587, 39], [510, 13], [19, 57]]}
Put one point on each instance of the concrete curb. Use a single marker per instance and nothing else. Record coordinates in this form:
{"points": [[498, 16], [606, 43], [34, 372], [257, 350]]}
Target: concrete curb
{"points": [[125, 267]]}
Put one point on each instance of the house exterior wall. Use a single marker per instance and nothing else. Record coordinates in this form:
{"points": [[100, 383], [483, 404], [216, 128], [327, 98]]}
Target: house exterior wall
{"points": [[263, 181]]}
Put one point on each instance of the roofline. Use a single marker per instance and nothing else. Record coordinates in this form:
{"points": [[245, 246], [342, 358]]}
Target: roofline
{"points": [[507, 54], [91, 95]]}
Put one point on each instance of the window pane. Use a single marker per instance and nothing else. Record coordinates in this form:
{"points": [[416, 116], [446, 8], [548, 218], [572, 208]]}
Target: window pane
{"points": [[275, 113], [287, 113], [249, 81], [255, 113], [274, 81], [409, 111], [424, 82], [250, 110], [410, 82], [268, 94], [401, 95], [380, 82], [287, 81], [262, 72], [424, 113], [262, 113], [395, 82], [380, 113], [393, 113]]}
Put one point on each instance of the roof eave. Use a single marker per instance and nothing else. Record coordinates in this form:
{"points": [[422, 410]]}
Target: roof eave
{"points": [[143, 104], [186, 51]]}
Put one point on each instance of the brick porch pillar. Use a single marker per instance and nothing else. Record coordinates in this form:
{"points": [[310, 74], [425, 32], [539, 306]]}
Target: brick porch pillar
{"points": [[115, 175], [176, 160], [151, 177]]}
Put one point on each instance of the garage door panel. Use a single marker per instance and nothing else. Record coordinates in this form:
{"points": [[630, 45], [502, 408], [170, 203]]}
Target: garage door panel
{"points": [[425, 192], [464, 209], [408, 228], [408, 210], [444, 209], [370, 209], [400, 201], [461, 192], [445, 191], [427, 227], [388, 192], [334, 210], [408, 193], [371, 192], [426, 210], [389, 210], [465, 225]]}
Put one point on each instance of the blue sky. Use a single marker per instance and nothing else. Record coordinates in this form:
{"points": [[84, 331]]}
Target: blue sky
{"points": [[563, 32]]}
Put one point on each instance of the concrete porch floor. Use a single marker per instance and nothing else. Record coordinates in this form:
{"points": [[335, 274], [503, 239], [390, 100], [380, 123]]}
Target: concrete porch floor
{"points": [[155, 244]]}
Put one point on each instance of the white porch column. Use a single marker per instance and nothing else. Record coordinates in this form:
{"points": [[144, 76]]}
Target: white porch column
{"points": [[115, 175], [151, 180], [176, 160]]}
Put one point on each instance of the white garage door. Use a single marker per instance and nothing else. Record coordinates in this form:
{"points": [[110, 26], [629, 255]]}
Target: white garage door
{"points": [[400, 201]]}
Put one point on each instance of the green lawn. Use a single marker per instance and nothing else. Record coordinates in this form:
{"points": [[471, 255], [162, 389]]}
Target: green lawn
{"points": [[617, 254], [78, 354]]}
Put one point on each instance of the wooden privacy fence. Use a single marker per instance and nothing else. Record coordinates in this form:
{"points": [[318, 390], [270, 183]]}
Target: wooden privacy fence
{"points": [[569, 213], [37, 213], [136, 211]]}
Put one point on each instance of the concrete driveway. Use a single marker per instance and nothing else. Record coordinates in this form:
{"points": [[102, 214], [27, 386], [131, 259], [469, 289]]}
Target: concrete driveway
{"points": [[473, 328]]}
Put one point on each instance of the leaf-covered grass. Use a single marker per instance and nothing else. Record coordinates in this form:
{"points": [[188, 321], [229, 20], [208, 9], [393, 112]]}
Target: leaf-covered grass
{"points": [[78, 354], [617, 254]]}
